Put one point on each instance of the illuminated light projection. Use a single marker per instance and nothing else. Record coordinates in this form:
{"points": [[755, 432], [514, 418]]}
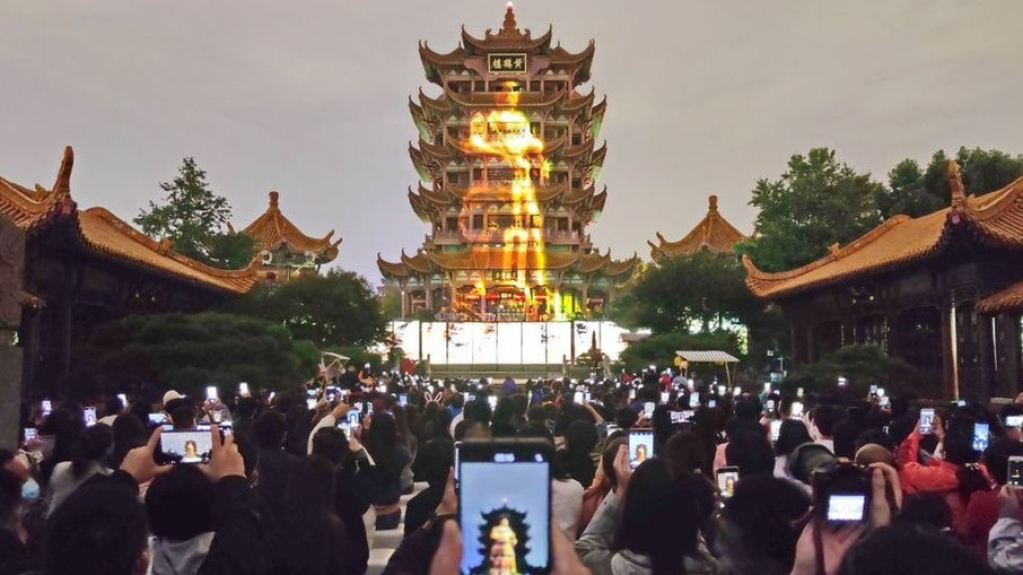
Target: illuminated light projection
{"points": [[508, 163], [505, 134]]}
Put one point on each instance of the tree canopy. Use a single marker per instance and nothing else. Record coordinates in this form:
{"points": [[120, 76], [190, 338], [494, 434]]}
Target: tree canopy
{"points": [[701, 292], [333, 310], [195, 219], [916, 192], [816, 203], [187, 352]]}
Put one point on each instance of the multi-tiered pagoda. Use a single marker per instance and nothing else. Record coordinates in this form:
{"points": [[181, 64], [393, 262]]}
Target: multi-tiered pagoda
{"points": [[508, 165]]}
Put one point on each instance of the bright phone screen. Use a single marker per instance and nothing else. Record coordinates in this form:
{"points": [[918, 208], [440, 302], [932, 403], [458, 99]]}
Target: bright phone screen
{"points": [[641, 446], [187, 446]]}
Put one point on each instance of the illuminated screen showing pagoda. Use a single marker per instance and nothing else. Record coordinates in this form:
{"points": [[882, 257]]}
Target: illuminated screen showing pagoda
{"points": [[508, 164]]}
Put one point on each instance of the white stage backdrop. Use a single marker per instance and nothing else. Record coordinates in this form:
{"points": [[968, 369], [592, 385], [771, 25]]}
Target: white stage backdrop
{"points": [[506, 343]]}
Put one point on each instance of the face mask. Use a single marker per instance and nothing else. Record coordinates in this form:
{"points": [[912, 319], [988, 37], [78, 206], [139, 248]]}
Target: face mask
{"points": [[30, 490]]}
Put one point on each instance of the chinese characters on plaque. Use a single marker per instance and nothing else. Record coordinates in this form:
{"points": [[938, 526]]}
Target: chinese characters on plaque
{"points": [[506, 63]]}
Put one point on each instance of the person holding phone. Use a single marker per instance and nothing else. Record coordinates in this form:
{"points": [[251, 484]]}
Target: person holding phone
{"points": [[93, 446]]}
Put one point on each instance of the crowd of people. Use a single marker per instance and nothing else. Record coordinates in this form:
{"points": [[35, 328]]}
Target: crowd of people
{"points": [[734, 481]]}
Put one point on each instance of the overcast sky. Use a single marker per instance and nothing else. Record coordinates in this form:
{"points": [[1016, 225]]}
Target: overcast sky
{"points": [[309, 97]]}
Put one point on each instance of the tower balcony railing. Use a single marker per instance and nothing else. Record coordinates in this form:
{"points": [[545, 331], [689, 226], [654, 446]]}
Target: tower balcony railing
{"points": [[447, 236]]}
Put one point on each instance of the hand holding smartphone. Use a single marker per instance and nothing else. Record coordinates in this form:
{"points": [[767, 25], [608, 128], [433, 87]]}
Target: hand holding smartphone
{"points": [[727, 477], [641, 446], [926, 421]]}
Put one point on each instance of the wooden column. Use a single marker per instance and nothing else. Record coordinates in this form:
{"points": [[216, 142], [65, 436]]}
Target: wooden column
{"points": [[986, 350], [948, 346]]}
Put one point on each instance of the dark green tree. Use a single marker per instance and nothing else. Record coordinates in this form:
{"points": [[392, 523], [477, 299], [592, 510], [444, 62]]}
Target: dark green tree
{"points": [[334, 310], [816, 203], [916, 193], [187, 352], [195, 219], [703, 291]]}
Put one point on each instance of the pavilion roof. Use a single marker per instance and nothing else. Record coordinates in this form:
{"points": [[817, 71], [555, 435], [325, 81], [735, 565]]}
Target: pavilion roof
{"points": [[713, 233], [1007, 300], [487, 258], [272, 231], [108, 236], [995, 219]]}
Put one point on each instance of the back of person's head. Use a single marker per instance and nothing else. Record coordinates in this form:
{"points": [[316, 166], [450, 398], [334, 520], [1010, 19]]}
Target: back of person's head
{"points": [[270, 430], [997, 455], [381, 436], [113, 406], [504, 414], [538, 430], [179, 504], [659, 516], [438, 456], [683, 453], [845, 433], [468, 429], [824, 419], [928, 509], [746, 409], [876, 437], [959, 451], [909, 549], [477, 410], [332, 444], [249, 451], [182, 413], [581, 436], [246, 407], [757, 532], [100, 529], [873, 453], [94, 445], [751, 453], [129, 433], [627, 417], [310, 490], [536, 414], [792, 434]]}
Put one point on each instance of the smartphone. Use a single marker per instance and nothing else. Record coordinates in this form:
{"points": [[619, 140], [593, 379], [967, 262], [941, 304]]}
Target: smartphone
{"points": [[722, 390], [770, 405], [310, 404], [577, 397], [880, 392], [30, 434], [926, 421], [886, 402], [344, 426], [796, 410], [211, 393], [586, 397], [47, 406], [124, 399], [632, 394], [873, 390], [641, 446], [727, 477], [648, 409], [1014, 421], [243, 389], [1015, 474], [961, 403], [158, 418], [504, 499], [186, 446], [775, 430], [403, 399], [799, 393], [694, 400], [712, 403], [676, 417], [89, 415], [981, 436], [737, 391], [492, 400], [688, 414]]}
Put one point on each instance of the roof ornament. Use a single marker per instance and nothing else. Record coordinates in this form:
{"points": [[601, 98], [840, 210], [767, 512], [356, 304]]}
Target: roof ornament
{"points": [[510, 26], [62, 187], [274, 200], [713, 203], [955, 180]]}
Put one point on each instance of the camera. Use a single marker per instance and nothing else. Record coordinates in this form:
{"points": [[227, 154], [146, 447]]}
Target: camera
{"points": [[842, 494]]}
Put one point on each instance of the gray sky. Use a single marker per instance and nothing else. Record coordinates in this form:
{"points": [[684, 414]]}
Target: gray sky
{"points": [[309, 97]]}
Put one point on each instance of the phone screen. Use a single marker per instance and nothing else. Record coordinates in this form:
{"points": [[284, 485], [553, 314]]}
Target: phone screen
{"points": [[727, 477], [211, 392], [186, 446], [89, 414], [353, 418], [403, 399], [1015, 474], [641, 446], [796, 410], [712, 403], [157, 418], [504, 500], [722, 390], [694, 399], [1014, 421], [846, 507], [243, 388], [492, 400], [310, 404], [648, 408], [665, 396], [926, 421], [30, 434], [47, 407], [775, 430], [344, 426], [981, 436], [124, 399], [577, 397], [677, 417]]}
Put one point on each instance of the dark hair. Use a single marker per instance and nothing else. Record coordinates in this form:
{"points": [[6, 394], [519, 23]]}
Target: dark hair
{"points": [[312, 536], [683, 453], [825, 417], [332, 444], [93, 446], [926, 509], [792, 434], [381, 437], [581, 437], [270, 430], [659, 517], [100, 529], [996, 458], [182, 413], [246, 407], [909, 549], [10, 494], [627, 417], [113, 406], [876, 437], [845, 433], [959, 451], [438, 455], [179, 503], [751, 453], [129, 433], [477, 410], [758, 524], [504, 413]]}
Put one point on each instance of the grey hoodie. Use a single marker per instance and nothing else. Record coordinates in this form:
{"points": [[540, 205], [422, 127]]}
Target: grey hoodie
{"points": [[180, 557]]}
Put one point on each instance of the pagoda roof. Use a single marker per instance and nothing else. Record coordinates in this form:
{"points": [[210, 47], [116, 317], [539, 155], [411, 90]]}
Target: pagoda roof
{"points": [[272, 231], [487, 258], [713, 233], [994, 219], [1007, 300], [617, 268], [507, 38], [106, 235], [497, 99]]}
